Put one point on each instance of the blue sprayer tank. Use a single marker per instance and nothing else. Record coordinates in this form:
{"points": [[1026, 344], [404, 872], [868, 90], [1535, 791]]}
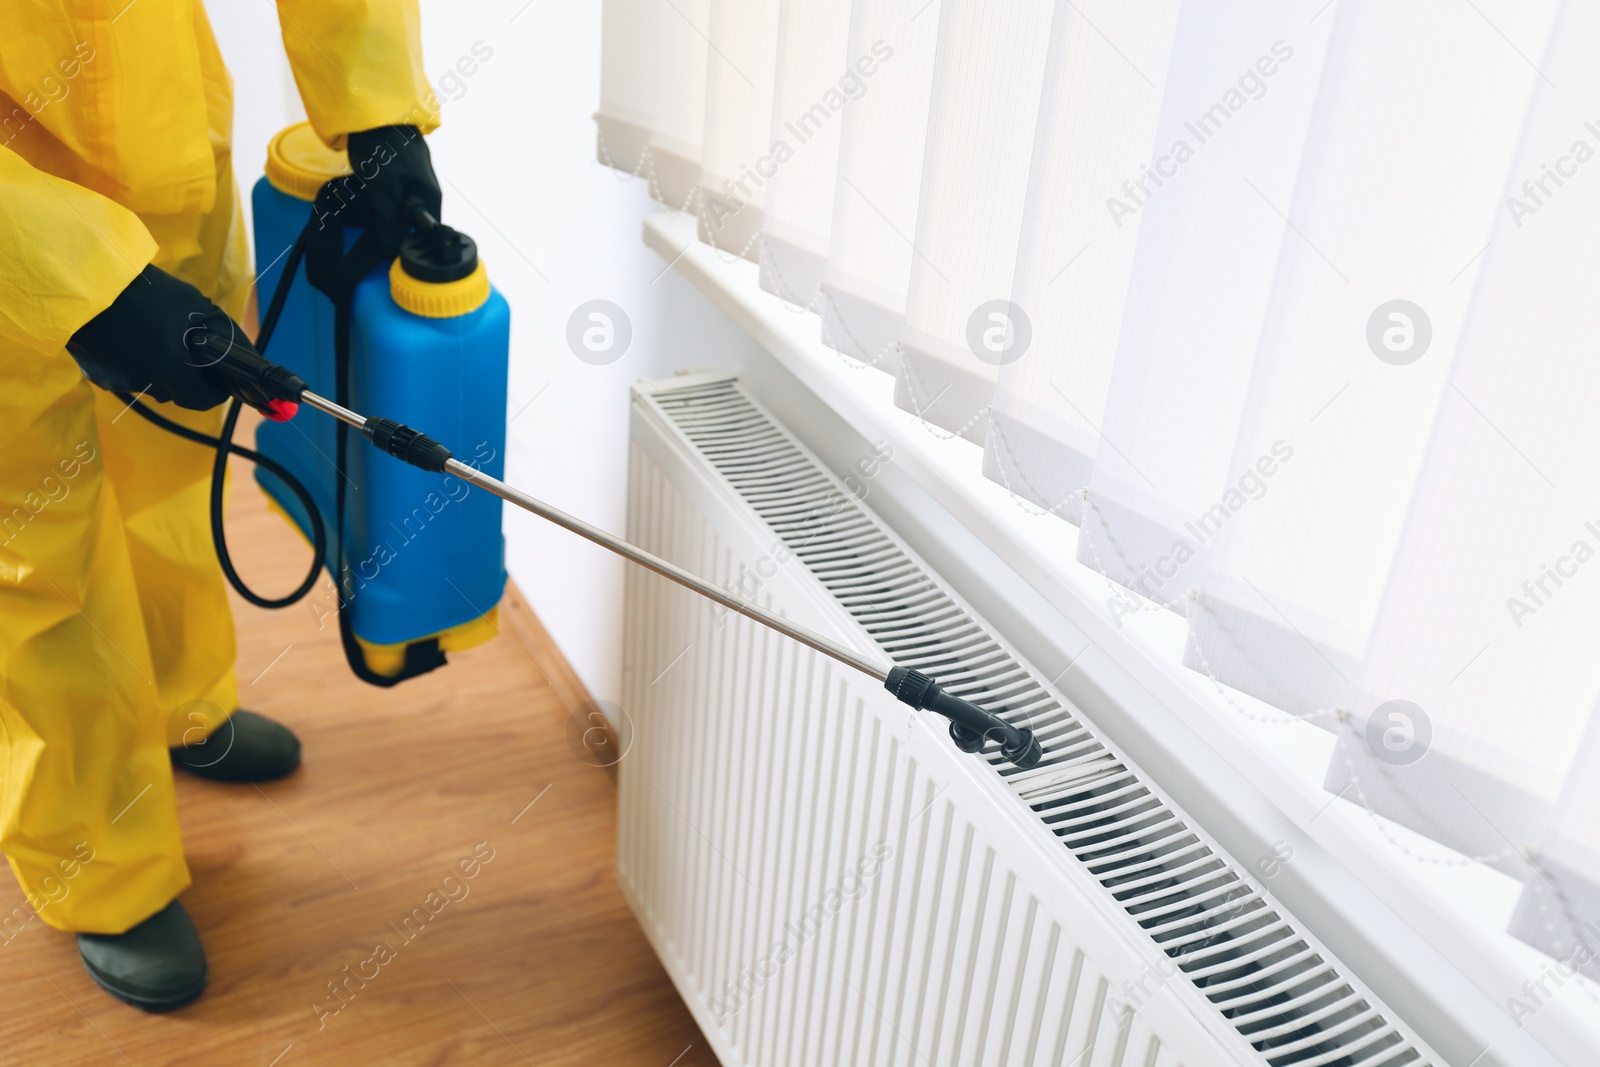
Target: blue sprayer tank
{"points": [[425, 552]]}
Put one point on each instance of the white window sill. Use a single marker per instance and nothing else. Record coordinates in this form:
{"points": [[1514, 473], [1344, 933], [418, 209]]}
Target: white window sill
{"points": [[1459, 911]]}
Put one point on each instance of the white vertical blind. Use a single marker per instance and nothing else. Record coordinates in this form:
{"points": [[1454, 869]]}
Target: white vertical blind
{"points": [[681, 28], [1241, 88], [879, 182], [982, 126], [627, 83], [1393, 203], [739, 156], [815, 77], [1096, 130]]}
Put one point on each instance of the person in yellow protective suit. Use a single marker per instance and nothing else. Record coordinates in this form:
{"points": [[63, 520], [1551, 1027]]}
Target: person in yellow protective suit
{"points": [[120, 229]]}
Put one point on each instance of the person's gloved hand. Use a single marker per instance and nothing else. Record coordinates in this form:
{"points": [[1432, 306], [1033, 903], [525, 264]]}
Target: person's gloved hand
{"points": [[394, 166], [146, 342]]}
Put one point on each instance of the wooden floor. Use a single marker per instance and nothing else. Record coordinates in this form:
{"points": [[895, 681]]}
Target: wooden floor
{"points": [[540, 962]]}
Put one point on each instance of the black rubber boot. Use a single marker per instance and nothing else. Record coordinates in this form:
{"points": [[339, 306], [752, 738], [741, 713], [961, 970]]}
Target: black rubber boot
{"points": [[246, 748], [158, 965]]}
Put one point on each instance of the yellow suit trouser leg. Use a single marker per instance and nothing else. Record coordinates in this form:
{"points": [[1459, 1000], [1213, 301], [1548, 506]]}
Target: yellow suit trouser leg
{"points": [[163, 487], [88, 815], [117, 642]]}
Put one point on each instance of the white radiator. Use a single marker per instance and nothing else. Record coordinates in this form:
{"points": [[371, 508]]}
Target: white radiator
{"points": [[830, 882]]}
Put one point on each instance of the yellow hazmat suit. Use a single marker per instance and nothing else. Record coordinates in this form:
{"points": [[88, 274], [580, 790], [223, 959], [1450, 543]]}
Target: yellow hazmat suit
{"points": [[115, 633]]}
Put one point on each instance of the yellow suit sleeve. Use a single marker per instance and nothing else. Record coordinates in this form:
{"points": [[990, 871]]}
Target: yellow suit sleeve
{"points": [[358, 64], [65, 254]]}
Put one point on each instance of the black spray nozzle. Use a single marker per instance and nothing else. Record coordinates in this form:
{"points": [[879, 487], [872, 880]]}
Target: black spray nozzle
{"points": [[269, 388], [970, 725]]}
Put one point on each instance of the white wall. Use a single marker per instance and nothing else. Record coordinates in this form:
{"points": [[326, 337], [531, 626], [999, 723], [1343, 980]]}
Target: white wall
{"points": [[516, 157]]}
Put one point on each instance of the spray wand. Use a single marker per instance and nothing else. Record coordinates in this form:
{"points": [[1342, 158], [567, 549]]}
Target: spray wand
{"points": [[278, 393]]}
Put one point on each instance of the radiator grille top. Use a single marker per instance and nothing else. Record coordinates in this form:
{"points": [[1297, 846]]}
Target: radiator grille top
{"points": [[1282, 991]]}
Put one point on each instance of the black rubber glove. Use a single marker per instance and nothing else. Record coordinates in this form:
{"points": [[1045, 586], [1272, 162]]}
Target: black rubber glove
{"points": [[394, 166], [147, 341]]}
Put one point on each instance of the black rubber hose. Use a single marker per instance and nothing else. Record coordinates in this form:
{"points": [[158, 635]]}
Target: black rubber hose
{"points": [[224, 445]]}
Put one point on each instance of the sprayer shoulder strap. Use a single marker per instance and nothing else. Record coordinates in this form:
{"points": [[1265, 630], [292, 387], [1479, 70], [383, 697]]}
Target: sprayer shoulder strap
{"points": [[336, 272]]}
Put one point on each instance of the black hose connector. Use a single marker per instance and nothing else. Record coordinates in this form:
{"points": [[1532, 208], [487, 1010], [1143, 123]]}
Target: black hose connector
{"points": [[970, 725], [404, 443]]}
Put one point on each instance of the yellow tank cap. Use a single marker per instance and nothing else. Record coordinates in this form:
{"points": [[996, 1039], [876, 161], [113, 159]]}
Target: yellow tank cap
{"points": [[439, 300], [298, 163]]}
